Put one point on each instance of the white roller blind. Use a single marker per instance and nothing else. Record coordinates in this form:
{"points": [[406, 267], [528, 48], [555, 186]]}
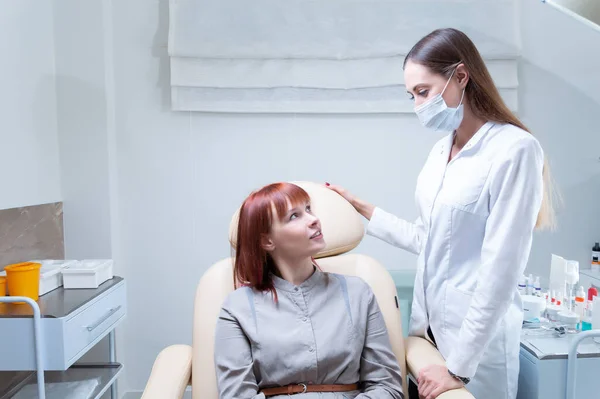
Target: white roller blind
{"points": [[319, 57]]}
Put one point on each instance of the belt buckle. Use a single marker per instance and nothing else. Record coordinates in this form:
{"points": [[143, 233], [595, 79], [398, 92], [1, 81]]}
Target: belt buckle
{"points": [[304, 388]]}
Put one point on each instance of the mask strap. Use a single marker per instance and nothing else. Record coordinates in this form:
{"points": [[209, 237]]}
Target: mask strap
{"points": [[448, 82], [461, 98]]}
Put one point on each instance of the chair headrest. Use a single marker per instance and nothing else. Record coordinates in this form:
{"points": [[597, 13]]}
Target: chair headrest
{"points": [[341, 225]]}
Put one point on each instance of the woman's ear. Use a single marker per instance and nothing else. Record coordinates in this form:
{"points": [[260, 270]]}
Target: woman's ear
{"points": [[462, 76], [266, 243]]}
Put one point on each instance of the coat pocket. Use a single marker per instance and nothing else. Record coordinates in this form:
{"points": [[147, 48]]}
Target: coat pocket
{"points": [[456, 307], [464, 182]]}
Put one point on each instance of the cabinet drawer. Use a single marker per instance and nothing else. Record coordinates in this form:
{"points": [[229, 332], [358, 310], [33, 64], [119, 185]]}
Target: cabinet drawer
{"points": [[92, 323]]}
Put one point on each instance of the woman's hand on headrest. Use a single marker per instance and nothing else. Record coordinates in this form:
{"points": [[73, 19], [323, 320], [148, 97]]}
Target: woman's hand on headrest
{"points": [[342, 191], [364, 208]]}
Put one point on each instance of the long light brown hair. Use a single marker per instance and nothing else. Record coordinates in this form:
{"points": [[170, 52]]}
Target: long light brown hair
{"points": [[445, 49]]}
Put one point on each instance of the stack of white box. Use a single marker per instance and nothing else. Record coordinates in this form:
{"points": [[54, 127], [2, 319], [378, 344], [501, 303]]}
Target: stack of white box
{"points": [[88, 273]]}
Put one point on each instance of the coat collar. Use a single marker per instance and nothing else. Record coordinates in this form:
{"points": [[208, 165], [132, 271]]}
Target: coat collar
{"points": [[446, 144]]}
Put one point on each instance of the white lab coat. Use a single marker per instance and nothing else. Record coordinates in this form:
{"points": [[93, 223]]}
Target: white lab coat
{"points": [[473, 237]]}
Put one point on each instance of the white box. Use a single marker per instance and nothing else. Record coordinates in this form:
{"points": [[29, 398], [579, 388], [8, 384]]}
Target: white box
{"points": [[89, 273], [50, 273]]}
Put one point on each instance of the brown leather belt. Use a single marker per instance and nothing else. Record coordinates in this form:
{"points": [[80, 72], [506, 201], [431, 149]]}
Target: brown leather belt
{"points": [[303, 388]]}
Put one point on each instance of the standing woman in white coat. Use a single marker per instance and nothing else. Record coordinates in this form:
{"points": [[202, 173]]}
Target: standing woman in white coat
{"points": [[481, 193]]}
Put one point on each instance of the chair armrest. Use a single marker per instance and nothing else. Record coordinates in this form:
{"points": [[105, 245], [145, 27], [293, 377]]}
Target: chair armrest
{"points": [[421, 353], [170, 373]]}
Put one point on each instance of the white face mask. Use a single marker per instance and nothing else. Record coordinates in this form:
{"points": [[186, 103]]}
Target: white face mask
{"points": [[435, 113]]}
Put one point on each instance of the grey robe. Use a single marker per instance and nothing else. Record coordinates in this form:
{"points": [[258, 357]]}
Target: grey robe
{"points": [[327, 330]]}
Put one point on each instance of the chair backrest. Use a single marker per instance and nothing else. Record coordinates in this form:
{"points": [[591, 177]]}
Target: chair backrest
{"points": [[343, 230]]}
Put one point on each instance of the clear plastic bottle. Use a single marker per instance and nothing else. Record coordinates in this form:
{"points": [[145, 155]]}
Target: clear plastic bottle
{"points": [[586, 322], [579, 308], [571, 279], [559, 299], [530, 285]]}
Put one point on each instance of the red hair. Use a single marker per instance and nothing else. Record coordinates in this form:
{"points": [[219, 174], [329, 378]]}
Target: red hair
{"points": [[253, 264]]}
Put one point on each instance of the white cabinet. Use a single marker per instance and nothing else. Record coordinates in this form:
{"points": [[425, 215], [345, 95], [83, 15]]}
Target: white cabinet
{"points": [[72, 322]]}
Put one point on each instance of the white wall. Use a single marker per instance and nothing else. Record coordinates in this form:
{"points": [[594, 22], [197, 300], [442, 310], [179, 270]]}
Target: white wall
{"points": [[29, 163], [85, 110], [560, 101], [82, 125]]}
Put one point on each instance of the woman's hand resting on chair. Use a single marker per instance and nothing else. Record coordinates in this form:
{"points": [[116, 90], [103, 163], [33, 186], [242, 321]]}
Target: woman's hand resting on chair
{"points": [[435, 380], [362, 207]]}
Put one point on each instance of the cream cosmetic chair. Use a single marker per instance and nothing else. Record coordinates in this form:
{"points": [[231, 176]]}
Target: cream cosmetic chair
{"points": [[178, 366]]}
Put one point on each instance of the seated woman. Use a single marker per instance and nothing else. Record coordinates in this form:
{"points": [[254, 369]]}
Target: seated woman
{"points": [[291, 328]]}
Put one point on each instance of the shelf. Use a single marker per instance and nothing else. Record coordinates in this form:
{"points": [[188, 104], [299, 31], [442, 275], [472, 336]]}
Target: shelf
{"points": [[106, 373], [59, 302]]}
